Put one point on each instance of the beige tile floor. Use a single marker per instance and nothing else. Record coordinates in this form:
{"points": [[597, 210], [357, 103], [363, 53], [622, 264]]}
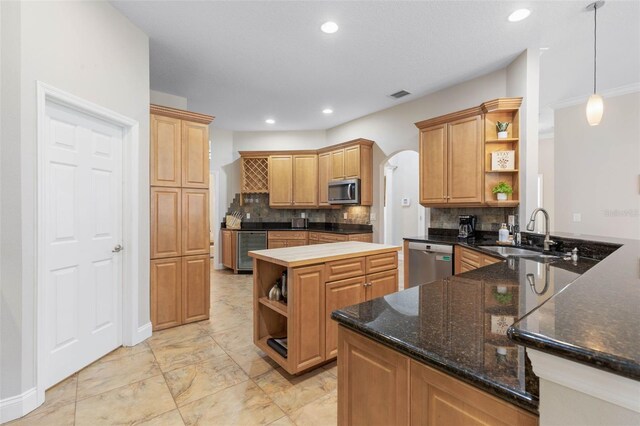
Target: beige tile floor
{"points": [[207, 373]]}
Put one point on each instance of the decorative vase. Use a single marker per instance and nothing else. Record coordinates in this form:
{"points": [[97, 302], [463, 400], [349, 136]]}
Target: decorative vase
{"points": [[502, 196], [503, 135], [275, 294]]}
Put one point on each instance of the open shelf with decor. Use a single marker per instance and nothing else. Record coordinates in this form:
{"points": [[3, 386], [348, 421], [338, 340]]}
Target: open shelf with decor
{"points": [[502, 150]]}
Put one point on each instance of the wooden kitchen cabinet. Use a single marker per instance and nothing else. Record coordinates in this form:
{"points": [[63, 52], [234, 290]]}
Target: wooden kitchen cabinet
{"points": [[324, 177], [380, 386], [433, 165], [373, 382], [166, 222], [465, 173], [337, 164], [228, 248], [280, 180], [467, 259], [456, 155], [439, 399], [354, 160], [166, 292], [179, 178], [308, 316], [381, 284], [195, 155], [195, 288], [280, 239], [305, 180], [195, 221], [165, 151], [451, 169], [339, 294]]}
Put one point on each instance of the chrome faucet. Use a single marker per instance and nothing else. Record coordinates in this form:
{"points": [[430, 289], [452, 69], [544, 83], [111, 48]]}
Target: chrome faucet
{"points": [[531, 226]]}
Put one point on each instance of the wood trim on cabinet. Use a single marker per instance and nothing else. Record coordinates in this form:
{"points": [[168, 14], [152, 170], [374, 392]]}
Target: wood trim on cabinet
{"points": [[382, 262], [339, 294], [166, 222], [195, 221], [307, 338], [165, 152], [181, 114], [501, 104], [373, 382], [359, 141], [342, 269], [195, 155], [195, 288], [444, 119], [166, 293]]}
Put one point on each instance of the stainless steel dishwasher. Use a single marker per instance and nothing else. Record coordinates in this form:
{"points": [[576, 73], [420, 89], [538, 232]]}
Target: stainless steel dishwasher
{"points": [[247, 241], [429, 262]]}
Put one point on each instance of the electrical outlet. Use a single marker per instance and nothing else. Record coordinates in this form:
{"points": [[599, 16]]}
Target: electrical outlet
{"points": [[248, 215], [372, 216], [303, 215], [577, 217], [345, 215]]}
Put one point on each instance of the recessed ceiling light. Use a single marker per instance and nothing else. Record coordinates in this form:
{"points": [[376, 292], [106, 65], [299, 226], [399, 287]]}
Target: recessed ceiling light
{"points": [[329, 27], [270, 121], [327, 111], [519, 15]]}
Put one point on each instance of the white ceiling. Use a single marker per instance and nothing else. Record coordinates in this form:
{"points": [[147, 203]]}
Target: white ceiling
{"points": [[247, 61]]}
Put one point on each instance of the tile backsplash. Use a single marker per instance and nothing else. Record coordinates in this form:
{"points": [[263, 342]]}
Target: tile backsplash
{"points": [[489, 218], [257, 205]]}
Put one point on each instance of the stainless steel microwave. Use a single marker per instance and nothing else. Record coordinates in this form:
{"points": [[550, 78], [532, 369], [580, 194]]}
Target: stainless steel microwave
{"points": [[344, 191]]}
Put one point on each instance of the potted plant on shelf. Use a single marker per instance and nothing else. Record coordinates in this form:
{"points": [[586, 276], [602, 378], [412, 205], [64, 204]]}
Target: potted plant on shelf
{"points": [[502, 127], [502, 189]]}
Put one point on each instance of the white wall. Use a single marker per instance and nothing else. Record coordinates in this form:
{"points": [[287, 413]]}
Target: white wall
{"points": [[597, 169], [256, 141], [223, 167], [167, 99], [90, 50], [393, 130], [404, 220], [546, 167]]}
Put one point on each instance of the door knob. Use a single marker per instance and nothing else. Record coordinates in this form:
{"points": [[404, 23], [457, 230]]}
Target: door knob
{"points": [[117, 249]]}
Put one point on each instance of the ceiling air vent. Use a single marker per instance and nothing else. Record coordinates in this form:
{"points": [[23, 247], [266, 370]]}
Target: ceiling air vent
{"points": [[400, 94]]}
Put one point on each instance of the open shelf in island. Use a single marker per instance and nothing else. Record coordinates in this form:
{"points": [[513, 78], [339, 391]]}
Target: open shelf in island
{"points": [[277, 305], [505, 140]]}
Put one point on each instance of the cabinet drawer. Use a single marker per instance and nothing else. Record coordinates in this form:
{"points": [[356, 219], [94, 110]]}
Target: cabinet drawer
{"points": [[471, 257], [342, 269], [332, 238], [465, 267], [489, 260], [382, 262], [313, 236], [287, 235], [296, 243], [365, 238]]}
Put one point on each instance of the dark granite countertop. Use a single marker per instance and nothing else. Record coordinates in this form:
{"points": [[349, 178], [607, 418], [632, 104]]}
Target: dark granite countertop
{"points": [[329, 227], [459, 324], [596, 319]]}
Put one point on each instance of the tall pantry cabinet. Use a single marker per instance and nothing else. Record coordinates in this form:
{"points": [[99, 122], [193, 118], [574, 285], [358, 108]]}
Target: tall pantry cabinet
{"points": [[179, 178]]}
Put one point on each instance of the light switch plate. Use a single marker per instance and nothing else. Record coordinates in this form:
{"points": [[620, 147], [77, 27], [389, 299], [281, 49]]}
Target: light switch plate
{"points": [[345, 215], [303, 215], [405, 202], [248, 215], [577, 217]]}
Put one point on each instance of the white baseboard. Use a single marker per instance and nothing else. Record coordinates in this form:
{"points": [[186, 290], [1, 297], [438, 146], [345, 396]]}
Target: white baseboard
{"points": [[142, 334], [17, 406]]}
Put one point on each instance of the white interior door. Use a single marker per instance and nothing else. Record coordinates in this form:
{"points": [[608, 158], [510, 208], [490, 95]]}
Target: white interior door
{"points": [[83, 227]]}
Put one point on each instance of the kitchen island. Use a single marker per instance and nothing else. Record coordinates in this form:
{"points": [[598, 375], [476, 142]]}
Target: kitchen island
{"points": [[320, 279]]}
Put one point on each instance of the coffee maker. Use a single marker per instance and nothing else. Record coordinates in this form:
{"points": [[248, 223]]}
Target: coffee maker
{"points": [[466, 227]]}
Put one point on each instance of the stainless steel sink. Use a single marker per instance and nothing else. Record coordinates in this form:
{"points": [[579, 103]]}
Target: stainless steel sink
{"points": [[517, 252]]}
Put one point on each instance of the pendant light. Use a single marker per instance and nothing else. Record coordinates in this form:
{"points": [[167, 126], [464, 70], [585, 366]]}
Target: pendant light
{"points": [[595, 108]]}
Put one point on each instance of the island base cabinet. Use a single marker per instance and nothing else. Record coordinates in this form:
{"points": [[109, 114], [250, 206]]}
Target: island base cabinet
{"points": [[373, 382], [380, 386], [439, 399]]}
